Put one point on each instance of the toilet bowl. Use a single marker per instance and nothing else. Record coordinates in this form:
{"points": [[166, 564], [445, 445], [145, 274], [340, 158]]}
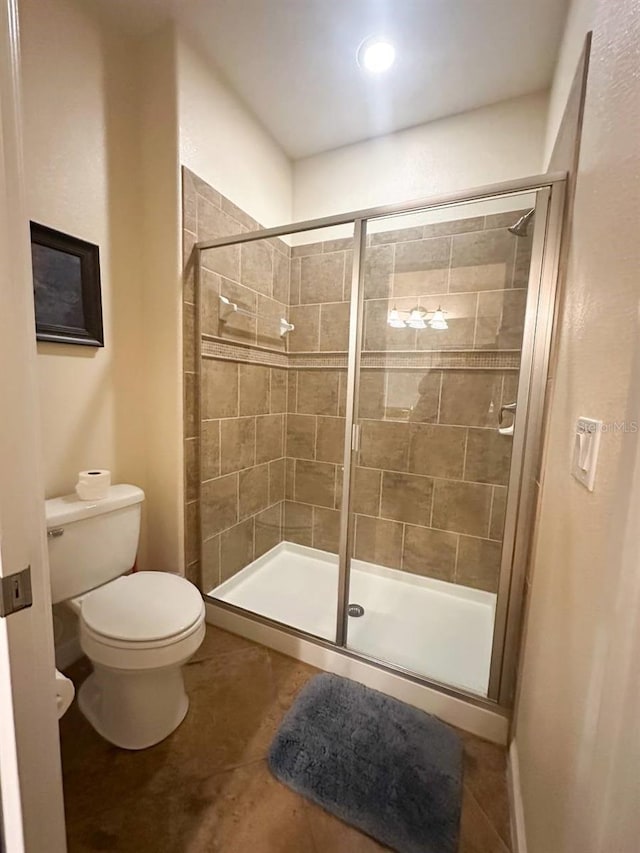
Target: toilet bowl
{"points": [[138, 629]]}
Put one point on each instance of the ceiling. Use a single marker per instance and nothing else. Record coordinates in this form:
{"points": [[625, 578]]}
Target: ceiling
{"points": [[293, 62]]}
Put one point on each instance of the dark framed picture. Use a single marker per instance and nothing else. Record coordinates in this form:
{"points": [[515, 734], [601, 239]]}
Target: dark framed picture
{"points": [[66, 287]]}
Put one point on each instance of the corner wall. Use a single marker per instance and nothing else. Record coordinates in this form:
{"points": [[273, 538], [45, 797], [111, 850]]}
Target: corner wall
{"points": [[579, 702]]}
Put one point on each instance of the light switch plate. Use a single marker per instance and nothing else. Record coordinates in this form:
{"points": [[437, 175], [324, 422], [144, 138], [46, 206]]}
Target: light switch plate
{"points": [[586, 447]]}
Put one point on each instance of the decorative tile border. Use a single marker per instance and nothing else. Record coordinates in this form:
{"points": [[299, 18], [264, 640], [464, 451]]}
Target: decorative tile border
{"points": [[429, 359]]}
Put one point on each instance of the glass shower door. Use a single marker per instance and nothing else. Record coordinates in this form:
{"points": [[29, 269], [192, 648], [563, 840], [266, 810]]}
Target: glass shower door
{"points": [[444, 308]]}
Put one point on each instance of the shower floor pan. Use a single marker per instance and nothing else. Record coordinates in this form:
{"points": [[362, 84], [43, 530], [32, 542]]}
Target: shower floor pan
{"points": [[436, 629]]}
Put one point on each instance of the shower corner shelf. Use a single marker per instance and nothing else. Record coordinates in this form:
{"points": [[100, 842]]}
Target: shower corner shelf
{"points": [[229, 307]]}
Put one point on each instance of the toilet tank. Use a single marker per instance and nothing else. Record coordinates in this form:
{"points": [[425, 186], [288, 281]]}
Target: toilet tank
{"points": [[92, 542]]}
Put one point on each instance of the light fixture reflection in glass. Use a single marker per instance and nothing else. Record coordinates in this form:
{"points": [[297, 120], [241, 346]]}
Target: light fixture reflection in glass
{"points": [[416, 319], [395, 320], [438, 321]]}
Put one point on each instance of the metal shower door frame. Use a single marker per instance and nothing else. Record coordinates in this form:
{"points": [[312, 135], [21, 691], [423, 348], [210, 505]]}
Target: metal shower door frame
{"points": [[549, 189]]}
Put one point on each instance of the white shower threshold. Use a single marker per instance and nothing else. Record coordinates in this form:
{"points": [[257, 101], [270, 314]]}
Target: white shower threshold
{"points": [[433, 628]]}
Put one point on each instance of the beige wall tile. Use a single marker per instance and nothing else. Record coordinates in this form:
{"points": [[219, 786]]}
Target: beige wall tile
{"points": [[523, 260], [219, 504], [378, 541], [224, 260], [292, 390], [421, 267], [321, 278], [192, 468], [237, 444], [455, 226], [188, 262], [378, 271], [461, 507], [276, 480], [188, 337], [278, 390], [190, 398], [236, 548], [482, 260], [268, 530], [430, 553], [398, 235], [269, 437], [500, 319], [192, 532], [256, 260], [301, 436], [318, 392], [406, 497], [210, 564], [237, 326], [281, 268], [210, 450], [334, 327], [488, 456], [330, 440], [306, 335], [384, 444], [470, 398], [498, 509], [294, 282], [209, 302], [289, 478], [372, 394], [253, 490], [219, 389], [326, 529], [298, 523], [315, 483], [460, 314], [366, 490], [270, 314], [414, 395], [254, 389], [436, 450], [478, 563]]}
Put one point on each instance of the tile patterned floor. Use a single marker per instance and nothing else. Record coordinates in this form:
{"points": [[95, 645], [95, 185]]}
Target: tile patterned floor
{"points": [[207, 787]]}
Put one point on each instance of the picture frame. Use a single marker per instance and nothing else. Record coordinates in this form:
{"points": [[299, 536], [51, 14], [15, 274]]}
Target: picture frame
{"points": [[66, 288]]}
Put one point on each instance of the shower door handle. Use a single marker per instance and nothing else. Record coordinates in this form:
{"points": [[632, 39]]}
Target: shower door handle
{"points": [[355, 438], [510, 407]]}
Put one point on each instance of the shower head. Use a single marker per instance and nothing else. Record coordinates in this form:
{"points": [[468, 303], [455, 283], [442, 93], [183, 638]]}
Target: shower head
{"points": [[521, 227]]}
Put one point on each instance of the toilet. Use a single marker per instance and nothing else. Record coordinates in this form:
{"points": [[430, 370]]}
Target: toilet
{"points": [[137, 629]]}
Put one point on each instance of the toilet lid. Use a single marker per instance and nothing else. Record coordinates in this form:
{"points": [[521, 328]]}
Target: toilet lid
{"points": [[143, 606]]}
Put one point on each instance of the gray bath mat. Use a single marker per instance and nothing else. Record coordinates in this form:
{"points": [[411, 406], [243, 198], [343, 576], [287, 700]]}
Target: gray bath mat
{"points": [[380, 765]]}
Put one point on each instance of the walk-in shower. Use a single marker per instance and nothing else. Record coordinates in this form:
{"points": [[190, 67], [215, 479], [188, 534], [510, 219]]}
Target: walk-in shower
{"points": [[367, 427]]}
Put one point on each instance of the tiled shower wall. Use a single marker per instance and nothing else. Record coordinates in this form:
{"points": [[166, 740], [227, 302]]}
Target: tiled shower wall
{"points": [[430, 488], [234, 410]]}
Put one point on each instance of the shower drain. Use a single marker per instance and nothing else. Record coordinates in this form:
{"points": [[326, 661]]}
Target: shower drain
{"points": [[355, 610]]}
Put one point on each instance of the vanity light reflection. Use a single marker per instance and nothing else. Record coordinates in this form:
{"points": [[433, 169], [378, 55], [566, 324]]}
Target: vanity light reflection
{"points": [[416, 319]]}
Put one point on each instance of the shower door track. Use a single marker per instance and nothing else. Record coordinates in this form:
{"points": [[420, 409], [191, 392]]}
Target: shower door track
{"points": [[536, 345]]}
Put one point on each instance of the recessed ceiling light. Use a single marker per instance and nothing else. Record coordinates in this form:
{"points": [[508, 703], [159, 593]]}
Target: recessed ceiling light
{"points": [[376, 55]]}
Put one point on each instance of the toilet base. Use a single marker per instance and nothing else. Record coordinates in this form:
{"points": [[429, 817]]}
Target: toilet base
{"points": [[134, 709]]}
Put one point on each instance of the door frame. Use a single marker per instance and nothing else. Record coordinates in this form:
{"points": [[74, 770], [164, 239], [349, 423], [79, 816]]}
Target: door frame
{"points": [[30, 775]]}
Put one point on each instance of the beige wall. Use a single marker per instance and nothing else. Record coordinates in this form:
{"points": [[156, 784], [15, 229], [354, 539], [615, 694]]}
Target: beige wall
{"points": [[223, 143], [78, 156], [580, 18], [576, 726], [495, 143]]}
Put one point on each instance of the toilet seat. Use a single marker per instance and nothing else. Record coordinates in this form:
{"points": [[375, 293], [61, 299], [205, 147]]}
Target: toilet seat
{"points": [[144, 609], [142, 621]]}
